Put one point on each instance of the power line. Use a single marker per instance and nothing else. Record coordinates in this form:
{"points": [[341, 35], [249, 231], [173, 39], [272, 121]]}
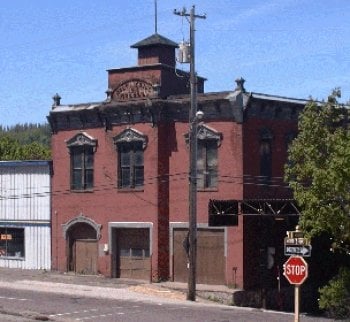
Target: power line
{"points": [[166, 178]]}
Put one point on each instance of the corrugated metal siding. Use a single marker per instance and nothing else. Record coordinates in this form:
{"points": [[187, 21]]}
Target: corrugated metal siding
{"points": [[25, 193], [25, 197]]}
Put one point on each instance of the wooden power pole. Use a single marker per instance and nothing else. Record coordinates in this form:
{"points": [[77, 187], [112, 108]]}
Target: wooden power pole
{"points": [[193, 122]]}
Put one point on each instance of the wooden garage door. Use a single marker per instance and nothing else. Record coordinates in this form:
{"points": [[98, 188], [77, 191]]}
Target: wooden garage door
{"points": [[210, 256], [133, 256], [85, 256]]}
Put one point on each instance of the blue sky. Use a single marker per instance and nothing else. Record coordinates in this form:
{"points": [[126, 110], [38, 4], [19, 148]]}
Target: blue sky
{"points": [[293, 48]]}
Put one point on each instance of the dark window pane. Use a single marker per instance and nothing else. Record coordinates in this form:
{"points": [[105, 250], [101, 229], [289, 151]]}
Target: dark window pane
{"points": [[125, 158], [138, 157], [139, 176], [124, 148], [77, 159], [125, 177], [207, 164], [89, 178], [137, 252], [77, 179], [89, 158], [201, 155], [212, 154], [200, 162], [212, 178], [200, 179], [125, 252], [265, 159]]}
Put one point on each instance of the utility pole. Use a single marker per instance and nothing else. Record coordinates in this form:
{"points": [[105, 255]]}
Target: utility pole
{"points": [[193, 122]]}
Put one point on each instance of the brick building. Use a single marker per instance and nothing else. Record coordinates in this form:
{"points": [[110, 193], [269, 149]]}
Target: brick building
{"points": [[120, 177]]}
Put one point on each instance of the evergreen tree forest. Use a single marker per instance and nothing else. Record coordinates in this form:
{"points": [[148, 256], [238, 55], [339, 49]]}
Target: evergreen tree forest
{"points": [[25, 142]]}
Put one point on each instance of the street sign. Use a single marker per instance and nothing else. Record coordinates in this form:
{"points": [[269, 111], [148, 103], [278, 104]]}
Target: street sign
{"points": [[297, 246], [302, 250], [295, 270], [296, 241]]}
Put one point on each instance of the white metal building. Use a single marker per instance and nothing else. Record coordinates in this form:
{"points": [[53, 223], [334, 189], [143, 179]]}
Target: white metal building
{"points": [[25, 214]]}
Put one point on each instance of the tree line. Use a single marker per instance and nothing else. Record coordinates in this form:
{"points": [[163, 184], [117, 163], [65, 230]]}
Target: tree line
{"points": [[27, 141]]}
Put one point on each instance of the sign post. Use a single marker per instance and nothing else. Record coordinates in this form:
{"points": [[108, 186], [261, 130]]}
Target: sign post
{"points": [[295, 269], [296, 303]]}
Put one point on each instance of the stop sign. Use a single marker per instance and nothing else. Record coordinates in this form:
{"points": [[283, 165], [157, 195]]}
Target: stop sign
{"points": [[295, 270]]}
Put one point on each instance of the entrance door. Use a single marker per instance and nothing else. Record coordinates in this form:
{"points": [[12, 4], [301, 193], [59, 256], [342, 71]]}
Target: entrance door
{"points": [[82, 249], [85, 256], [210, 256]]}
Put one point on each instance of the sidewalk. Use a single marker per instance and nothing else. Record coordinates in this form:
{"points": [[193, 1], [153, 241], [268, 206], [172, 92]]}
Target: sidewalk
{"points": [[169, 290]]}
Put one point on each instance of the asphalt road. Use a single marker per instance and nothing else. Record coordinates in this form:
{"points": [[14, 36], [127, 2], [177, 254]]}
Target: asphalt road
{"points": [[68, 305]]}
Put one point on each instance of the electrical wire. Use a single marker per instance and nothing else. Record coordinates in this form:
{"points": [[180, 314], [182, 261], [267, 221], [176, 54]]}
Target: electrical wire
{"points": [[274, 182]]}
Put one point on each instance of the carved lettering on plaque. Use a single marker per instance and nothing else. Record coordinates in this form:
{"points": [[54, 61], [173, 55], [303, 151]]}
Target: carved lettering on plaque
{"points": [[133, 89]]}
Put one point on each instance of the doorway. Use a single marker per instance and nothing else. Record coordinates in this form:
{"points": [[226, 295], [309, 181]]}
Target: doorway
{"points": [[82, 249]]}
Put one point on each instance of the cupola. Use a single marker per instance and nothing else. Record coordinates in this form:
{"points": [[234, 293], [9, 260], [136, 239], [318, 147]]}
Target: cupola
{"points": [[156, 49]]}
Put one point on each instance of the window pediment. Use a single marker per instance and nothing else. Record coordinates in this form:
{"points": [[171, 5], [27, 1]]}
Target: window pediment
{"points": [[205, 132], [81, 139], [129, 136]]}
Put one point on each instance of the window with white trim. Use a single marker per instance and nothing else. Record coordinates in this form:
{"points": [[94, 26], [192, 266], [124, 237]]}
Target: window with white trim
{"points": [[82, 148], [207, 164], [130, 147], [208, 142]]}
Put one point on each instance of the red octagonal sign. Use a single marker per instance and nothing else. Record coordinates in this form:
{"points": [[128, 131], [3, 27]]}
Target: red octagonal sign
{"points": [[295, 270]]}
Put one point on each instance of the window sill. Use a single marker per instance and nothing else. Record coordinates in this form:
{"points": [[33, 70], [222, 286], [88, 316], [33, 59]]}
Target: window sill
{"points": [[130, 190], [12, 258], [82, 190], [207, 189]]}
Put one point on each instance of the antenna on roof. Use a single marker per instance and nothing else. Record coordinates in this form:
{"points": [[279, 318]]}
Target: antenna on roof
{"points": [[155, 17]]}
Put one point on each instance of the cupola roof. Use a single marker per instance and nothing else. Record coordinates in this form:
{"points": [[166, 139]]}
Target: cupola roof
{"points": [[155, 40]]}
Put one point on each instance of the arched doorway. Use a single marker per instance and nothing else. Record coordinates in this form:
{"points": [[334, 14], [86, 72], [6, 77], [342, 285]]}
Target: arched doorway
{"points": [[82, 235]]}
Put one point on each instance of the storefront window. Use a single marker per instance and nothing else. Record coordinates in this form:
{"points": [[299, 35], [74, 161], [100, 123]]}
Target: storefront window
{"points": [[11, 242]]}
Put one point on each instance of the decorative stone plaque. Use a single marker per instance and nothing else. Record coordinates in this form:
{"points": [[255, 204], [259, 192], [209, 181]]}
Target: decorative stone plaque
{"points": [[133, 89]]}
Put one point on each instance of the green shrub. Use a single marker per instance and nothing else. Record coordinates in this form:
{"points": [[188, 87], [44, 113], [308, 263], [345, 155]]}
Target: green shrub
{"points": [[335, 297]]}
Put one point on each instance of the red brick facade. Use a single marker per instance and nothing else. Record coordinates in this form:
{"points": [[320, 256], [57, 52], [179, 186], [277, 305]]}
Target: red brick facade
{"points": [[153, 102]]}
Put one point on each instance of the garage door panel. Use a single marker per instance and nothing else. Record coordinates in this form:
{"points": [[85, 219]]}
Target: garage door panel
{"points": [[133, 256], [210, 256], [180, 257]]}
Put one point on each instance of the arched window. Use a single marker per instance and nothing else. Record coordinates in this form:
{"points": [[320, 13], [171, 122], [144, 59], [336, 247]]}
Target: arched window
{"points": [[82, 148], [130, 146]]}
